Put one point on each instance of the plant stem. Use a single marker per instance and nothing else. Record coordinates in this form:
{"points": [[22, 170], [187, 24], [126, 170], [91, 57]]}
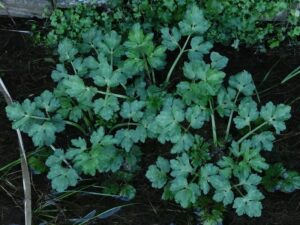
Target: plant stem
{"points": [[238, 190], [230, 118], [147, 68], [39, 118], [213, 124], [153, 76], [123, 125], [113, 94], [76, 125], [251, 132], [73, 67], [177, 59], [87, 123]]}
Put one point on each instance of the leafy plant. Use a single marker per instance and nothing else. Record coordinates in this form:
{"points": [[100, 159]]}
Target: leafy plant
{"points": [[237, 22], [119, 92]]}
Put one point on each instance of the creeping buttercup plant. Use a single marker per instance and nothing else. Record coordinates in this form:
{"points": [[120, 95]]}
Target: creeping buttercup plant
{"points": [[119, 92]]}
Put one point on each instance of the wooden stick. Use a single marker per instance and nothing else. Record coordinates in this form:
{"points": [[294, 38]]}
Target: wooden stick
{"points": [[24, 164]]}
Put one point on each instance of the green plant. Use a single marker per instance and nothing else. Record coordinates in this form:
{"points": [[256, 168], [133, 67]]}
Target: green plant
{"points": [[116, 93], [236, 22]]}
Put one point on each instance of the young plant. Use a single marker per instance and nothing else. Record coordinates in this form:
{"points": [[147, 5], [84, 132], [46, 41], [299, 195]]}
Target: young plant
{"points": [[118, 93]]}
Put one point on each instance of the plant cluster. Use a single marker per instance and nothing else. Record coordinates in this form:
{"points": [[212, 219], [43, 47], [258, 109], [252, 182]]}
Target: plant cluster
{"points": [[119, 92], [252, 22], [236, 22]]}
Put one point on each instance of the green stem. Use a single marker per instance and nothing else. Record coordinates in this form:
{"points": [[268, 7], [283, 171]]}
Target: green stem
{"points": [[108, 92], [76, 125], [39, 118], [177, 59], [238, 190], [213, 124], [230, 118], [251, 132], [73, 67], [146, 68], [123, 125], [87, 123], [111, 58], [113, 94], [153, 76]]}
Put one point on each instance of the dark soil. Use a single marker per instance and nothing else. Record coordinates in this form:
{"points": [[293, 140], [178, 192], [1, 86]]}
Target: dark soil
{"points": [[26, 72]]}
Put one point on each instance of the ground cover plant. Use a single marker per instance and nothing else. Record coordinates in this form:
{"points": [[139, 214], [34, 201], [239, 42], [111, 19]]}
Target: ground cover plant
{"points": [[119, 92], [260, 24]]}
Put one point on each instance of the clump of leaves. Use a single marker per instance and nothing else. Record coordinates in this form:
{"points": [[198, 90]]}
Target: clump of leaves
{"points": [[116, 91], [237, 22]]}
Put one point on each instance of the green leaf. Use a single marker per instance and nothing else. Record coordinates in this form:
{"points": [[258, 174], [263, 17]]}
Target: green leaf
{"points": [[42, 134], [110, 159], [226, 102], [99, 158], [290, 182], [66, 50], [90, 39], [181, 166], [47, 101], [110, 45], [128, 191], [62, 178], [106, 107], [248, 113], [249, 204], [157, 174], [227, 166], [218, 61], [57, 158], [59, 73], [243, 83], [253, 159], [75, 88], [138, 42], [156, 58], [206, 172], [126, 138], [249, 181], [20, 114], [87, 162], [238, 150], [104, 76], [197, 116], [99, 138], [199, 48], [223, 192], [132, 158], [183, 144], [195, 70], [37, 165], [263, 141], [132, 110], [167, 123], [138, 88], [276, 115], [272, 177], [191, 92], [185, 194], [133, 65], [79, 67], [193, 22], [170, 38]]}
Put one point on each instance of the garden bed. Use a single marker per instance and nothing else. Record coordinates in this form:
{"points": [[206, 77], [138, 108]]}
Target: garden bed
{"points": [[27, 68]]}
